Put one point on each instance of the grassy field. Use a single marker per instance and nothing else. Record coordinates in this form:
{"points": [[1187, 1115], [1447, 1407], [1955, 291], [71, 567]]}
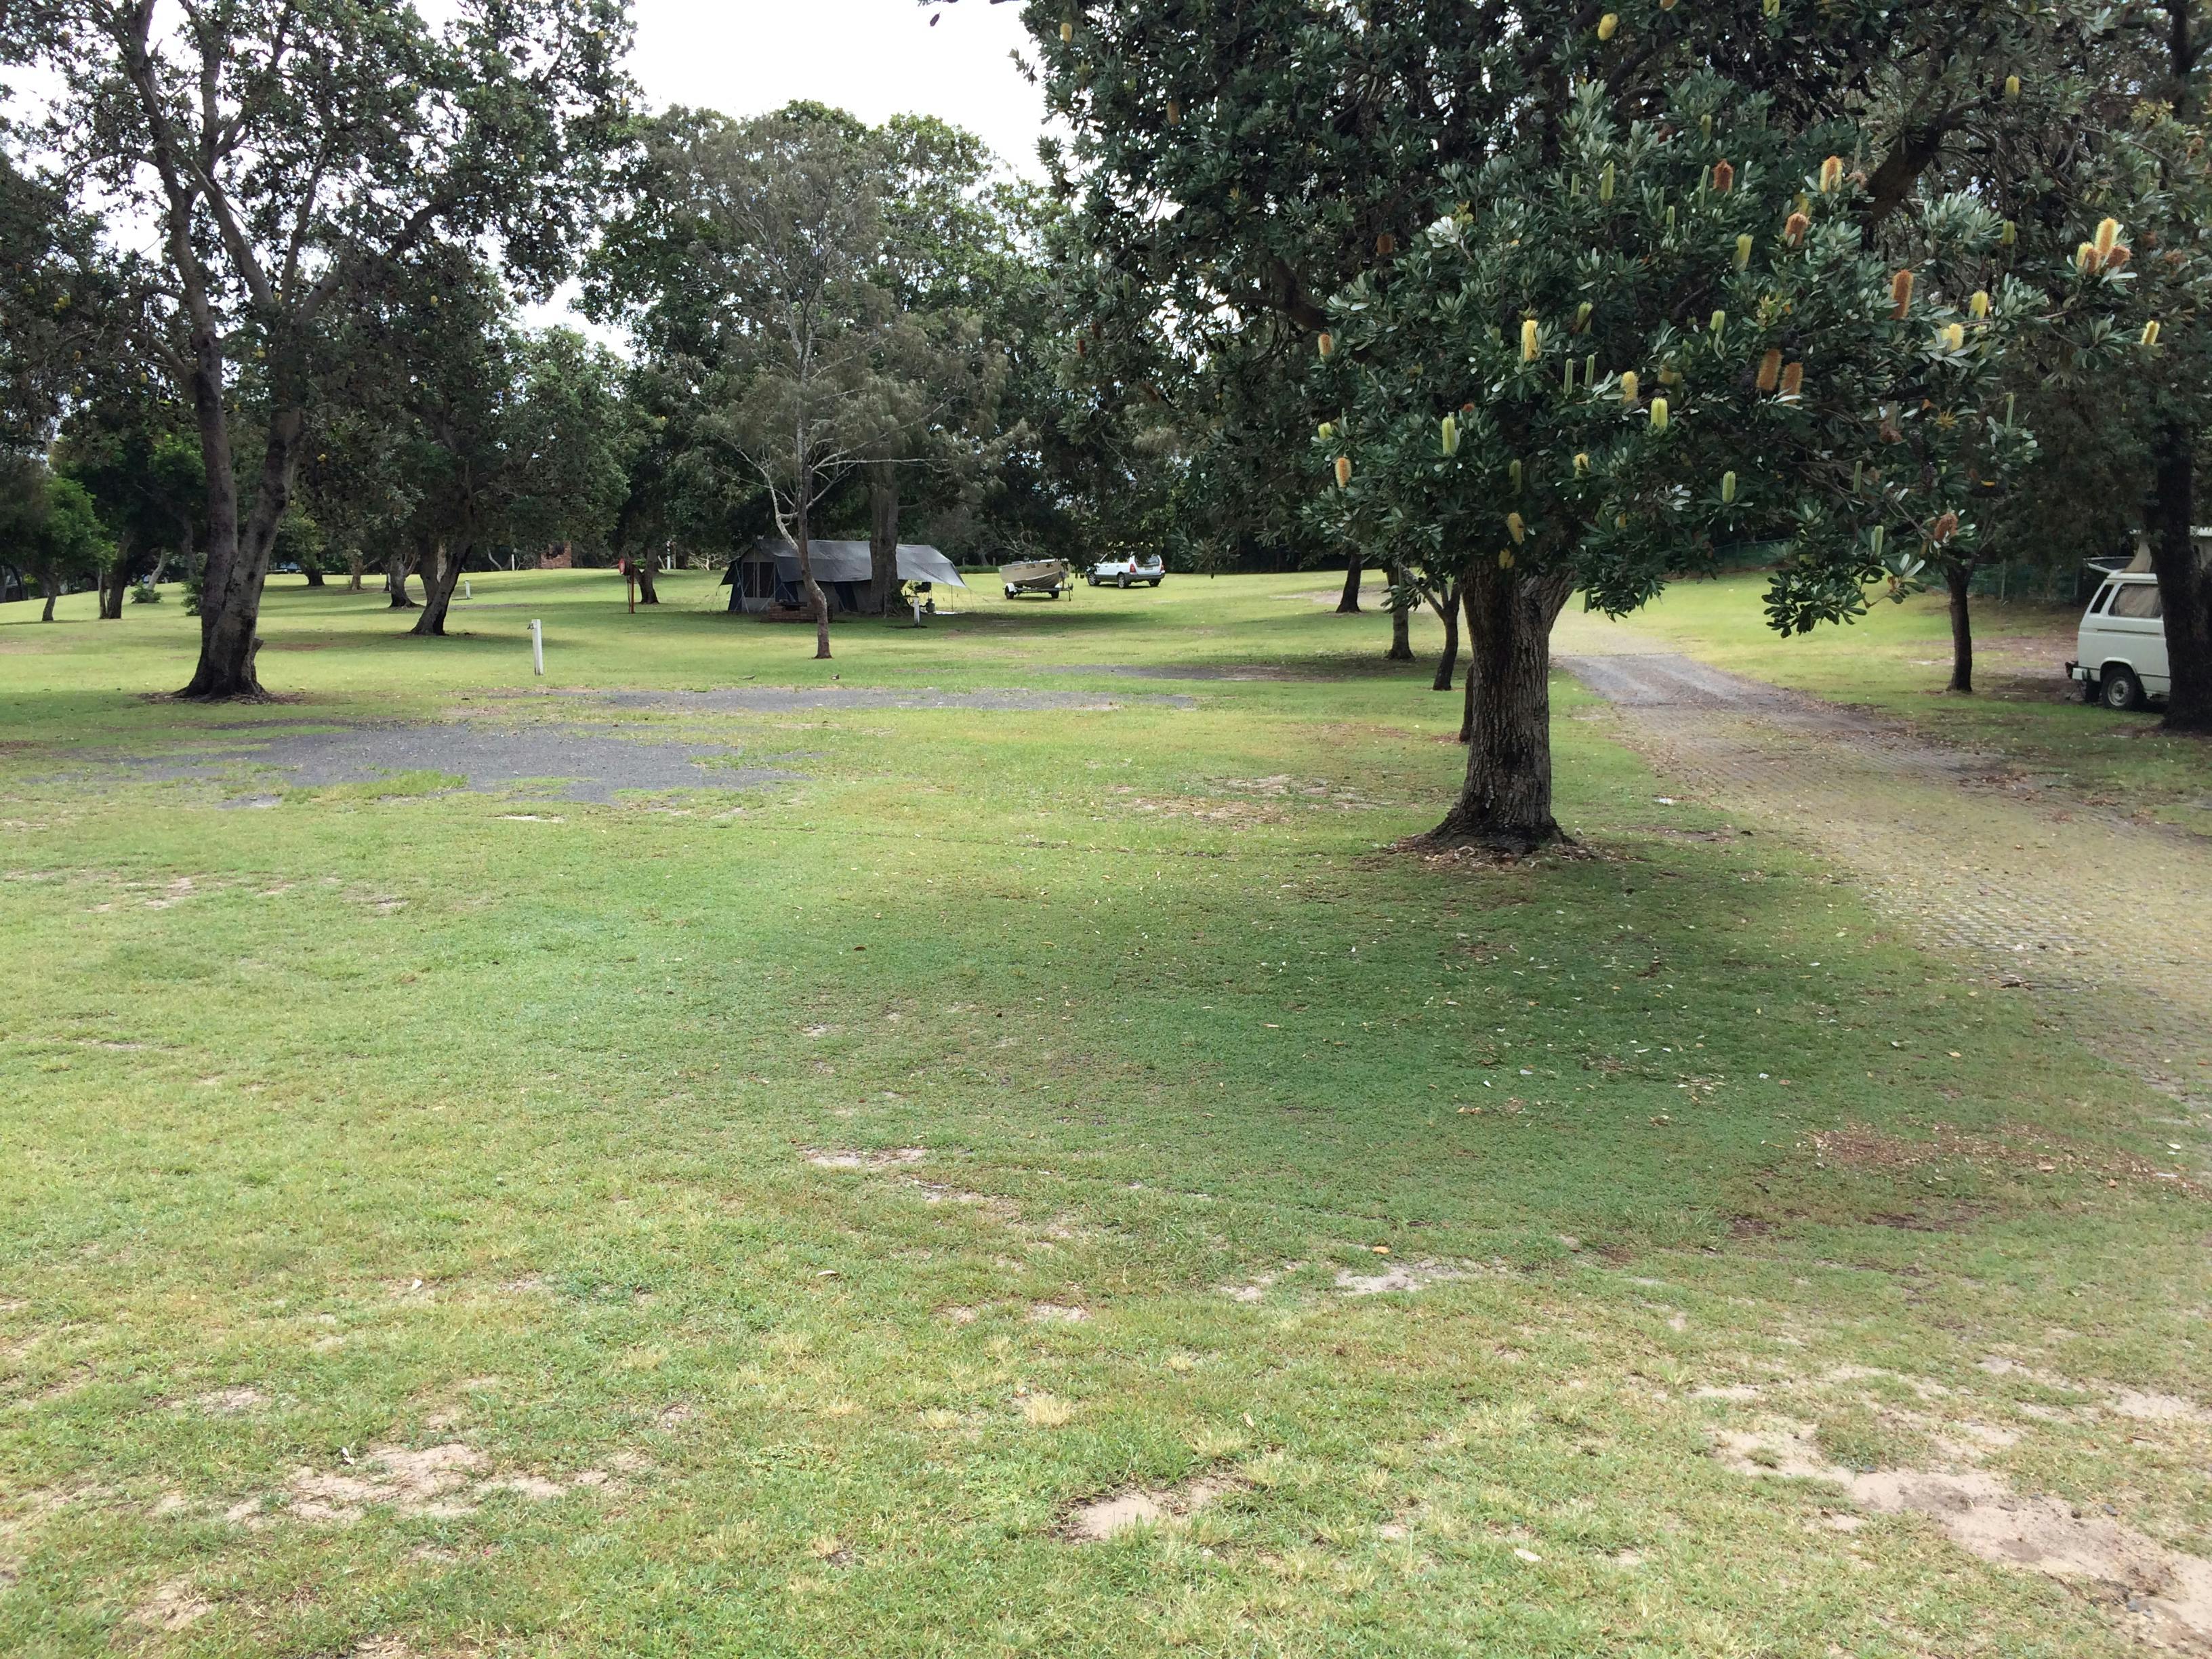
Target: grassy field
{"points": [[760, 1221], [1898, 660]]}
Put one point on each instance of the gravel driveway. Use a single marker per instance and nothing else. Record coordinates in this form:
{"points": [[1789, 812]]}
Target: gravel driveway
{"points": [[2107, 922]]}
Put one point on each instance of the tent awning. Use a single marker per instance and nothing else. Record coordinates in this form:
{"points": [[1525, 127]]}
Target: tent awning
{"points": [[849, 562]]}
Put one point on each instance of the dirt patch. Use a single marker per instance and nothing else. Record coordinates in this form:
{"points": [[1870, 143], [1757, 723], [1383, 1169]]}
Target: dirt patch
{"points": [[172, 1606], [1056, 1313], [440, 1481], [879, 1160], [788, 700], [1985, 1517], [1858, 1146], [1202, 670], [1398, 1276], [229, 1402], [1260, 1284], [1102, 1518]]}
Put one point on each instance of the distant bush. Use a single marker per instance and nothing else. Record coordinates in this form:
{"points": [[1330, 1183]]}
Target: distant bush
{"points": [[145, 594]]}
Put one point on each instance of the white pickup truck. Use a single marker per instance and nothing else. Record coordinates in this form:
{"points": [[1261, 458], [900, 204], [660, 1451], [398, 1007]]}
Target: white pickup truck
{"points": [[2120, 653], [1126, 572]]}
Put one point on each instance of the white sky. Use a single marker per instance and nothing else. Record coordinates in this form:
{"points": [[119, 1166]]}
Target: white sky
{"points": [[874, 57]]}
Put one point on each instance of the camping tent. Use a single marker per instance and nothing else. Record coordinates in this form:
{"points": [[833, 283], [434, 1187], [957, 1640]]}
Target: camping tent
{"points": [[766, 574]]}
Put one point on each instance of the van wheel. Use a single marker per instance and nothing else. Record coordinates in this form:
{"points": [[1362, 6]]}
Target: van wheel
{"points": [[1123, 584], [2120, 688]]}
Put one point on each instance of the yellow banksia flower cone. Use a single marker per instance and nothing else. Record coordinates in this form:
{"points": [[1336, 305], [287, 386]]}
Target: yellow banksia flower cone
{"points": [[1066, 31], [1720, 321], [1727, 489], [2108, 235], [1531, 340], [1448, 434], [1978, 306], [1343, 472], [2008, 235], [2012, 86], [1174, 114], [1516, 528], [1793, 379], [2085, 257], [1658, 414], [1326, 343], [1513, 476], [2150, 332], [1581, 465], [1900, 292], [1628, 385], [1955, 337], [1770, 370], [1327, 430], [1607, 24], [1794, 228], [1831, 175], [1743, 250], [1506, 558], [1723, 177]]}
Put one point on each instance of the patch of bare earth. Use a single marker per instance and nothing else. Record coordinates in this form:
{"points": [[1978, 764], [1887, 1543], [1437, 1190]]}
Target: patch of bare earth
{"points": [[1856, 1146], [1984, 1515], [445, 1480], [1102, 1518], [172, 1606], [823, 1159], [1397, 1276]]}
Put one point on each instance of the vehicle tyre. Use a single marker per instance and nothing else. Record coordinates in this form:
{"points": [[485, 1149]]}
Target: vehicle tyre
{"points": [[1122, 583], [1010, 590], [2119, 688], [1156, 581]]}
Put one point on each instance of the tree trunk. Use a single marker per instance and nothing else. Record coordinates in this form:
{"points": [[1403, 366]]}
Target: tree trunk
{"points": [[1466, 711], [1506, 801], [2184, 583], [238, 555], [1449, 662], [643, 570], [50, 586], [354, 562], [1401, 622], [441, 574], [1957, 578], [883, 537], [1355, 569], [395, 580], [817, 601], [313, 575]]}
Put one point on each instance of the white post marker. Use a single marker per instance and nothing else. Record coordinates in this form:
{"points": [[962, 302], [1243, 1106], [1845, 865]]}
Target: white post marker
{"points": [[465, 594], [536, 646]]}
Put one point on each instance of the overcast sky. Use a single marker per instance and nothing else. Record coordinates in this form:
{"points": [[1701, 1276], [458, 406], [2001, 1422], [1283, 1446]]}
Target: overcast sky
{"points": [[874, 57]]}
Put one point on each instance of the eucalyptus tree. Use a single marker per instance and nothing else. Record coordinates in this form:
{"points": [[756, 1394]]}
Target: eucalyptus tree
{"points": [[290, 150]]}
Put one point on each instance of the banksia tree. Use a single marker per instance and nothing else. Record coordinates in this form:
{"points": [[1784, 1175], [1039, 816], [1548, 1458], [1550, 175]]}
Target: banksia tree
{"points": [[1568, 477]]}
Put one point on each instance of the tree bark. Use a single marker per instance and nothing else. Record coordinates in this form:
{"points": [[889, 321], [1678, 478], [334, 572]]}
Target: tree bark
{"points": [[50, 586], [643, 567], [1402, 623], [1354, 569], [2185, 582], [1957, 578], [313, 575], [817, 601], [441, 574], [1448, 663], [1505, 803], [883, 537], [395, 580]]}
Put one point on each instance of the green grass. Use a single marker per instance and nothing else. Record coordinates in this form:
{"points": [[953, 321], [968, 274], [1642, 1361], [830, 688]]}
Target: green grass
{"points": [[407, 1118], [2024, 712]]}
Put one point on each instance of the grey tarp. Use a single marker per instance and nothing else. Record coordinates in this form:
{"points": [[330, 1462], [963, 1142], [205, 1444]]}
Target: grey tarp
{"points": [[847, 561]]}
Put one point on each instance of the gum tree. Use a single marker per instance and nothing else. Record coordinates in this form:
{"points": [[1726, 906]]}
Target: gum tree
{"points": [[288, 150]]}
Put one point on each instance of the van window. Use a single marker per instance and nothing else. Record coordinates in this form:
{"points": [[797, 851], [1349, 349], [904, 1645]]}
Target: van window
{"points": [[2104, 597], [2140, 600]]}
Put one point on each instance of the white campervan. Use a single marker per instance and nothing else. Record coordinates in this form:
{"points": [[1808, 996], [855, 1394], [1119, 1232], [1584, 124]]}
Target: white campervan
{"points": [[2121, 651]]}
